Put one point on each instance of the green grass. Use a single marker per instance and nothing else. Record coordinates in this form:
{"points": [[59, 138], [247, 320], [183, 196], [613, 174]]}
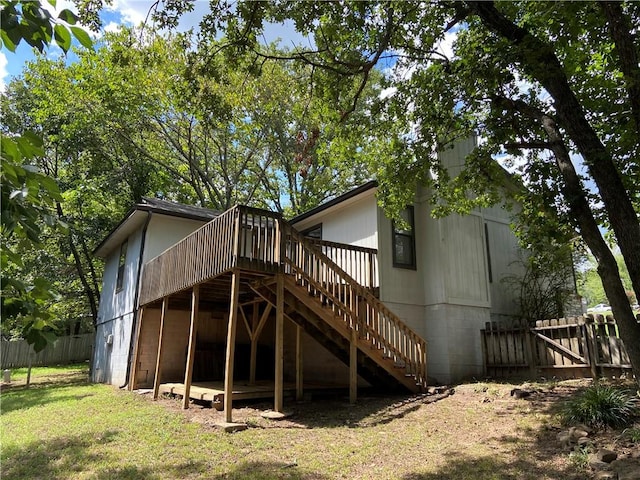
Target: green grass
{"points": [[18, 374], [65, 428]]}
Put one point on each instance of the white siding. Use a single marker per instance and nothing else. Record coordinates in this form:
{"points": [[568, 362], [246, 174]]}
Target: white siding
{"points": [[115, 315], [353, 222], [164, 231], [116, 310], [505, 253], [465, 268]]}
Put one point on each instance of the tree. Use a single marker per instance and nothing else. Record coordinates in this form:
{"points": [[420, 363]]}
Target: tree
{"points": [[555, 85], [28, 195], [132, 118]]}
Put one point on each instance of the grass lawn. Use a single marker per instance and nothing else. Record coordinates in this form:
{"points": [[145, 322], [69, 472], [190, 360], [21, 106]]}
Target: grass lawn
{"points": [[65, 428]]}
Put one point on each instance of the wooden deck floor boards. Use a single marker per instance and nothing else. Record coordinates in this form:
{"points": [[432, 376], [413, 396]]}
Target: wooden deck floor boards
{"points": [[214, 391]]}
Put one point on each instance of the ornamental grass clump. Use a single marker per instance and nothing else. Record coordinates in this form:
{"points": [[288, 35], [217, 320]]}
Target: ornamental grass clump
{"points": [[601, 406]]}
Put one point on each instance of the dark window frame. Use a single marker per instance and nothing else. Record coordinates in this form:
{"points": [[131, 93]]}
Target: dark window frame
{"points": [[307, 231], [488, 247], [122, 263], [405, 234]]}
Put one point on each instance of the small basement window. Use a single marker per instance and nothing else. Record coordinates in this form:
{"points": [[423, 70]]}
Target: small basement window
{"points": [[121, 264], [404, 242]]}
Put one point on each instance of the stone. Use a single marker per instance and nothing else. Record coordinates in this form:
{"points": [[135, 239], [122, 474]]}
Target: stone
{"points": [[605, 475], [576, 433], [564, 438], [232, 427], [584, 441], [606, 456], [271, 415], [597, 464], [627, 468]]}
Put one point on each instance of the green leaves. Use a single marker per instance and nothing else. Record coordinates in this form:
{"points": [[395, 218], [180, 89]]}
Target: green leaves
{"points": [[27, 20]]}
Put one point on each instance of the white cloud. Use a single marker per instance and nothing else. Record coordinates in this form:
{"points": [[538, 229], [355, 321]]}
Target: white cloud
{"points": [[3, 71], [445, 46], [112, 27], [132, 12]]}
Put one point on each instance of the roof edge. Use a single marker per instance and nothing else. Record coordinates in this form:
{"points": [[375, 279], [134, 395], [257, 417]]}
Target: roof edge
{"points": [[335, 201]]}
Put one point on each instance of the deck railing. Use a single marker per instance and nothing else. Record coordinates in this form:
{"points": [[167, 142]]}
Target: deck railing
{"points": [[242, 237], [360, 263], [213, 249], [358, 308]]}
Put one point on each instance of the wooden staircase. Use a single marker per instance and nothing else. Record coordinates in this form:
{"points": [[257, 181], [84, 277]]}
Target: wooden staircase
{"points": [[332, 306], [324, 299]]}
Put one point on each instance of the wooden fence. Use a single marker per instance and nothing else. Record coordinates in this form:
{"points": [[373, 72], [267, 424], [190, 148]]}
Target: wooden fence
{"points": [[567, 347], [75, 348]]}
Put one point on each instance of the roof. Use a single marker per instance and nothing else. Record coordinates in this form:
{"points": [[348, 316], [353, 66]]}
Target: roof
{"points": [[138, 214], [350, 194]]}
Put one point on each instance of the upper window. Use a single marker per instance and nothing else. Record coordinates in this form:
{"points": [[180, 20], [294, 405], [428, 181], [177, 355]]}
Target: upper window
{"points": [[121, 263], [404, 242], [314, 232]]}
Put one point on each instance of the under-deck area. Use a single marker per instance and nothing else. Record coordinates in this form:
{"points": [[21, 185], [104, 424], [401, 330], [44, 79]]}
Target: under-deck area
{"points": [[213, 392], [246, 307]]}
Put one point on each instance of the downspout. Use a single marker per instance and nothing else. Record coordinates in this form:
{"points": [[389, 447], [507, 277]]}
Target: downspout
{"points": [[135, 301]]}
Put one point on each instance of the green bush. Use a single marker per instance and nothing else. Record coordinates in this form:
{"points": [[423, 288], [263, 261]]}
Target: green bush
{"points": [[602, 406]]}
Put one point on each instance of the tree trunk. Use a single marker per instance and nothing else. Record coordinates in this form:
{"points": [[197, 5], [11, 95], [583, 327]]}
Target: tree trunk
{"points": [[539, 60], [579, 206], [91, 295]]}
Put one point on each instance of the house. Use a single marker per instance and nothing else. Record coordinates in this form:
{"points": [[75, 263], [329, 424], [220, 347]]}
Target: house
{"points": [[337, 296]]}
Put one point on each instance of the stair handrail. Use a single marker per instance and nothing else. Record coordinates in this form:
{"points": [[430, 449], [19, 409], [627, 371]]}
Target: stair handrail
{"points": [[416, 364]]}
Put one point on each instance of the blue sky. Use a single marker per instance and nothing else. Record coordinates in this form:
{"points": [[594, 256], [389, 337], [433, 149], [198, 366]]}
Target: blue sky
{"points": [[123, 12]]}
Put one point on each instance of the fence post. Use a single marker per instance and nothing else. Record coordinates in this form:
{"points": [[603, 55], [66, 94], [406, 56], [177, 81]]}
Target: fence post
{"points": [[529, 340], [590, 345]]}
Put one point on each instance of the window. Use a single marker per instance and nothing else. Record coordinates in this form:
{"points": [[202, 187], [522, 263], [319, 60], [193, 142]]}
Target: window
{"points": [[314, 232], [486, 238], [404, 242], [121, 264]]}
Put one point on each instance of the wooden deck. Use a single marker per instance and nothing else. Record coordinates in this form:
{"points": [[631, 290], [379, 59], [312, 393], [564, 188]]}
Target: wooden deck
{"points": [[214, 391]]}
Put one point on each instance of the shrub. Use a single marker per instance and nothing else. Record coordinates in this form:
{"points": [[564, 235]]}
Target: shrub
{"points": [[602, 406]]}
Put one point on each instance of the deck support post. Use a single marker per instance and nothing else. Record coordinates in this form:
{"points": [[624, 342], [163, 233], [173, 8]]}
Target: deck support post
{"points": [[279, 354], [299, 364], [254, 345], [231, 346], [156, 379], [195, 304], [353, 367], [134, 363]]}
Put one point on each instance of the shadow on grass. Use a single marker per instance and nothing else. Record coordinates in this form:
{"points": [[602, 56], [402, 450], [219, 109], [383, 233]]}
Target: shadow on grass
{"points": [[20, 398], [83, 456], [268, 471], [462, 467], [336, 412]]}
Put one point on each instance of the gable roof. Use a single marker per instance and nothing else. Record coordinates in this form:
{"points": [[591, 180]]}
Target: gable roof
{"points": [[337, 200], [138, 214]]}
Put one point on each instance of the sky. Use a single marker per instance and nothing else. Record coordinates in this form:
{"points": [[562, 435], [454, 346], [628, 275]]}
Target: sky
{"points": [[122, 12]]}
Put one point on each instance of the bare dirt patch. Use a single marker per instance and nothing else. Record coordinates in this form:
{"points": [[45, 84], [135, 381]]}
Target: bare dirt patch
{"points": [[475, 430]]}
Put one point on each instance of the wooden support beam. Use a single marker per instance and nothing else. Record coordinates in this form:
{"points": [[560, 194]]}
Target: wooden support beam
{"points": [[156, 379], [134, 364], [195, 303], [279, 354], [299, 364], [353, 367], [254, 344], [231, 345]]}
